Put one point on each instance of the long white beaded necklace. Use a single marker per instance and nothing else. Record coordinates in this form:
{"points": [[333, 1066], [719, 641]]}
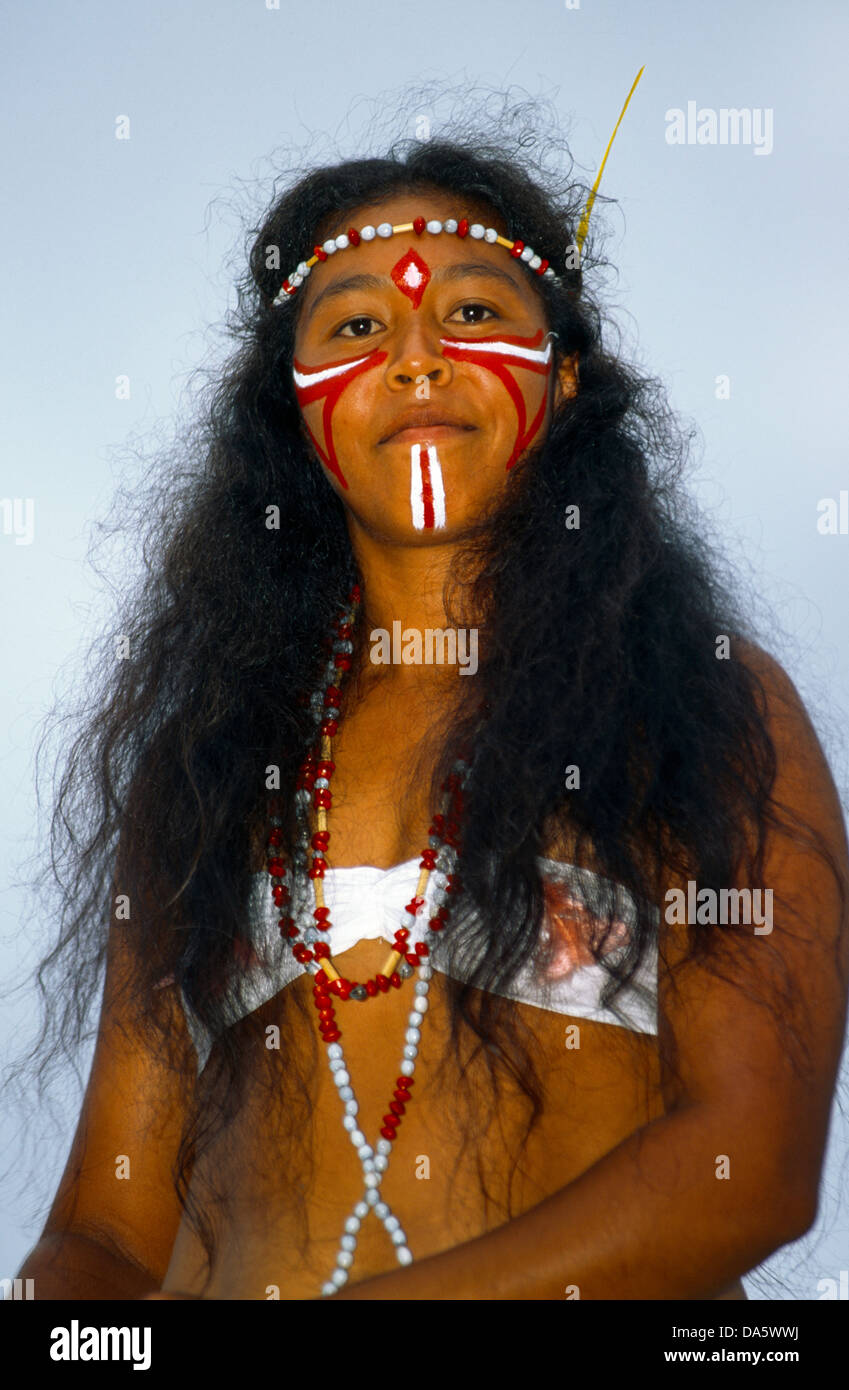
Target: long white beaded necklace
{"points": [[291, 885]]}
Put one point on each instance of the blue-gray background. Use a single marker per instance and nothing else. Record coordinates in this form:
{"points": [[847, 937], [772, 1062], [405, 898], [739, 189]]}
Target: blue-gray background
{"points": [[118, 254]]}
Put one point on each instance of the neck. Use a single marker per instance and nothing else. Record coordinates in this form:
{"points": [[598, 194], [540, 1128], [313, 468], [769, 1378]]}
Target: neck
{"points": [[405, 584]]}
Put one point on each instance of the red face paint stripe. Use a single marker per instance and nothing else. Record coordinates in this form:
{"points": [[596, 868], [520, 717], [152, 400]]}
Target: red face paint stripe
{"points": [[500, 364], [331, 389], [427, 492]]}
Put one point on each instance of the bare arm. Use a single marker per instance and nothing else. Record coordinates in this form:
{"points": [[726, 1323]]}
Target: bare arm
{"points": [[655, 1218]]}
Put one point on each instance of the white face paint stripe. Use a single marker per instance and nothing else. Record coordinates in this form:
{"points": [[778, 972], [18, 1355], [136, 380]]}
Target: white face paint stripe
{"points": [[437, 486], [503, 349], [416, 498], [325, 373]]}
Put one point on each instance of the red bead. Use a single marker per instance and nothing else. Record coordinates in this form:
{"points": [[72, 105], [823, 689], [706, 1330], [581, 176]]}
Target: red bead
{"points": [[321, 914], [371, 988], [353, 236], [542, 267], [418, 225], [400, 1095], [343, 663], [434, 924], [320, 840], [387, 1133], [355, 594], [322, 800], [397, 1107], [422, 949], [325, 770], [463, 226], [321, 950], [332, 1037], [335, 986], [517, 248], [382, 983], [280, 893], [326, 1014], [391, 1121], [276, 836], [318, 868], [413, 905], [293, 930], [328, 728], [320, 977], [276, 867], [411, 958], [395, 980], [320, 252], [404, 1082]]}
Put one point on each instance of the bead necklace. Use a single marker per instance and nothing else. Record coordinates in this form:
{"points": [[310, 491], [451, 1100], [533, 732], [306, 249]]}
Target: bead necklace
{"points": [[291, 892]]}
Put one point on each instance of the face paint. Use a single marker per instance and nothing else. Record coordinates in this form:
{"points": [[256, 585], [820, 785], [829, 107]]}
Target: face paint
{"points": [[500, 355], [329, 382], [427, 492], [411, 274]]}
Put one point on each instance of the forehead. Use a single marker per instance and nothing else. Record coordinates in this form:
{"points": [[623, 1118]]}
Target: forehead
{"points": [[441, 250]]}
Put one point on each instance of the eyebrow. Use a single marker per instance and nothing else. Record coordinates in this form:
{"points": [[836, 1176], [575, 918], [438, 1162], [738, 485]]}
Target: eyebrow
{"points": [[443, 274]]}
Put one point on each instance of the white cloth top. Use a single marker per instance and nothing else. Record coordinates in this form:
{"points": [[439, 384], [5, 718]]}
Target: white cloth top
{"points": [[367, 903]]}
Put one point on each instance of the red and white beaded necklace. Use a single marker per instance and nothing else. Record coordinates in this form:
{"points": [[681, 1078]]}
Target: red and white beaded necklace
{"points": [[290, 892]]}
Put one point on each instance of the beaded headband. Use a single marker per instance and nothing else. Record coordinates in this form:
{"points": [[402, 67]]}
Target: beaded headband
{"points": [[461, 228]]}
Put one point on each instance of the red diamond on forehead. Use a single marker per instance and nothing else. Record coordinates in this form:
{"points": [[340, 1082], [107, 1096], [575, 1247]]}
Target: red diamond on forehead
{"points": [[411, 275]]}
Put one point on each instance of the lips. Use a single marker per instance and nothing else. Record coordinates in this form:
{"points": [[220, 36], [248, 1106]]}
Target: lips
{"points": [[416, 423]]}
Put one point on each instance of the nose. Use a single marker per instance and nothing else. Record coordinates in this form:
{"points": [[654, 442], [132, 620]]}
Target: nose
{"points": [[417, 353]]}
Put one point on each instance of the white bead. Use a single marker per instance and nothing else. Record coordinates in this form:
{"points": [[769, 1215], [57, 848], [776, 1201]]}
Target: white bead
{"points": [[413, 1035], [434, 226], [303, 268], [367, 233], [349, 1122], [477, 230], [420, 1006], [398, 1238], [490, 235], [404, 1255], [346, 1093], [392, 1223], [337, 1062], [371, 1180], [339, 1277], [342, 241], [329, 246], [352, 1225], [295, 279], [535, 262], [365, 1150], [344, 1259], [421, 987], [526, 254], [407, 1067], [381, 1163], [341, 1077], [425, 973], [381, 1210], [411, 1052], [372, 1196], [348, 1242], [548, 274], [351, 1106], [450, 224], [384, 229], [328, 1289], [361, 1210], [384, 1146]]}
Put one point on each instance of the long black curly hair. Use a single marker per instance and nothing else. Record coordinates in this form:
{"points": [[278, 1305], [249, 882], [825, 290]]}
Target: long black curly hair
{"points": [[601, 653]]}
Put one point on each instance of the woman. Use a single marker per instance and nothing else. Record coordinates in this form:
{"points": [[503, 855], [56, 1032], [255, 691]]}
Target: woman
{"points": [[422, 448]]}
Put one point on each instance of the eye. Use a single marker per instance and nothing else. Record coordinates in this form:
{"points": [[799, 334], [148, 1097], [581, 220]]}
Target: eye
{"points": [[474, 306], [359, 320]]}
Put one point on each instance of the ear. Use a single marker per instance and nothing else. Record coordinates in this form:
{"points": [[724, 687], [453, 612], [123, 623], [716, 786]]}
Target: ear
{"points": [[566, 379]]}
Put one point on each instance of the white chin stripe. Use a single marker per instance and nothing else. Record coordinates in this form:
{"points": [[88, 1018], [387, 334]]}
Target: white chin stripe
{"points": [[541, 355], [427, 491]]}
